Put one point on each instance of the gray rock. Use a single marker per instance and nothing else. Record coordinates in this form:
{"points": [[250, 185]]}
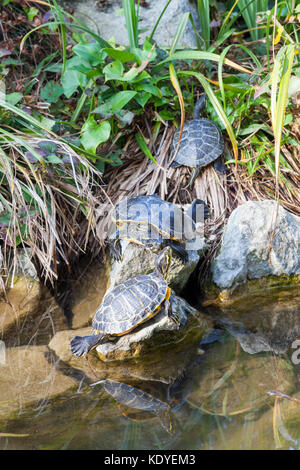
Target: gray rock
{"points": [[140, 260], [258, 241], [111, 24]]}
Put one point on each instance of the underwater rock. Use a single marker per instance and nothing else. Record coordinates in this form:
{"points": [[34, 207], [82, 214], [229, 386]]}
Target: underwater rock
{"points": [[265, 321], [29, 375], [108, 22], [260, 240], [231, 382], [140, 260], [28, 299], [157, 334]]}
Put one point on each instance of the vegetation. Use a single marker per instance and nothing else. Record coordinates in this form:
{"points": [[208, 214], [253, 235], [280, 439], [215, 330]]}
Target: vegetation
{"points": [[81, 121]]}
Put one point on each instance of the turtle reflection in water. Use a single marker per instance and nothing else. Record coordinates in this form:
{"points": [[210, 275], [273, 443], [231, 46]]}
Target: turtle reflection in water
{"points": [[136, 404], [201, 143], [152, 222], [129, 305]]}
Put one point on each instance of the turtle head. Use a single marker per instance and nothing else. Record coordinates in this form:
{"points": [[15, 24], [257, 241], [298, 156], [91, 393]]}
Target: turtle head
{"points": [[162, 261], [199, 107], [198, 211]]}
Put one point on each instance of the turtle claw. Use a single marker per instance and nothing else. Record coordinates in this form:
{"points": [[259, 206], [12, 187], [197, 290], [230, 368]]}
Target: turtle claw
{"points": [[116, 250]]}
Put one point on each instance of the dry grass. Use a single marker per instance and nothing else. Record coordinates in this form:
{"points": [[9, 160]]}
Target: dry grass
{"points": [[139, 176]]}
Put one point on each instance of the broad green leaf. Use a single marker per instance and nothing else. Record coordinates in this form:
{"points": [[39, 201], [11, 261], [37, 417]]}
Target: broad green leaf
{"points": [[51, 92], [13, 98], [119, 100], [122, 56], [113, 71], [125, 116], [90, 52], [72, 79], [148, 87], [94, 134], [53, 158]]}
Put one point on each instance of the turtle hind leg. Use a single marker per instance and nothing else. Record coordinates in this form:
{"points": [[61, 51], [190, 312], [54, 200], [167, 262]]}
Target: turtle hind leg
{"points": [[219, 166], [194, 175], [172, 315], [115, 250], [174, 164], [81, 345]]}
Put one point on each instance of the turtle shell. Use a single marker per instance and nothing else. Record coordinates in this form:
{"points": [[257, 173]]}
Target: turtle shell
{"points": [[129, 304], [150, 218], [201, 143], [133, 397]]}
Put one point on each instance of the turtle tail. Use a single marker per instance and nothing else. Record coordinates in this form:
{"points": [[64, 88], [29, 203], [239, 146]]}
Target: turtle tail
{"points": [[195, 173], [81, 345]]}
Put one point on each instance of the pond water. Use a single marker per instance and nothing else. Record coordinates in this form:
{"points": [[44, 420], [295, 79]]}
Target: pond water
{"points": [[210, 396]]}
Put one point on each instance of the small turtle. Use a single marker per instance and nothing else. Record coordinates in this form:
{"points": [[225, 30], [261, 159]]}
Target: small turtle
{"points": [[201, 143], [128, 305], [150, 221]]}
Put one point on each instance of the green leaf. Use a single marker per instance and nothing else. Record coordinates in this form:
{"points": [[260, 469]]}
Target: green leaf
{"points": [[13, 98], [31, 13], [143, 146], [71, 78], [105, 110], [125, 116], [113, 71], [122, 56], [51, 92], [148, 87], [90, 52], [94, 134], [119, 100], [53, 159]]}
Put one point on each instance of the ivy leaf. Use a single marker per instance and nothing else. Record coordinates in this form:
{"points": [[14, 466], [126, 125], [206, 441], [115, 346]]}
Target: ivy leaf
{"points": [[94, 134], [51, 92]]}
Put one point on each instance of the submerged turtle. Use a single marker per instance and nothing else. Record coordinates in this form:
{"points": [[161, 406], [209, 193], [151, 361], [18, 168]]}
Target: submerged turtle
{"points": [[128, 305], [137, 404], [150, 221], [201, 143]]}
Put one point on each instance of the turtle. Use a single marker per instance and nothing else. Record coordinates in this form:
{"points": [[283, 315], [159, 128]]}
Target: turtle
{"points": [[201, 143], [150, 221], [128, 305], [138, 404]]}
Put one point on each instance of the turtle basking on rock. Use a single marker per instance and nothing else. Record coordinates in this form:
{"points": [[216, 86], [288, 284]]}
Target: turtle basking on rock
{"points": [[150, 221], [201, 144], [129, 305]]}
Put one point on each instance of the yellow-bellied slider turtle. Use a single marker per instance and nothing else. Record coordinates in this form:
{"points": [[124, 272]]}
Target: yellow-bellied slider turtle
{"points": [[128, 305], [150, 221], [201, 143]]}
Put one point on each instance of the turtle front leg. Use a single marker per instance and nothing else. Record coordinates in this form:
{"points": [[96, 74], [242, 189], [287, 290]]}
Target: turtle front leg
{"points": [[173, 316], [115, 249], [81, 345]]}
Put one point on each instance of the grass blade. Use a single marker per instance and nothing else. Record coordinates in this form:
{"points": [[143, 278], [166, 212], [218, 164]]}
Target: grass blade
{"points": [[279, 93]]}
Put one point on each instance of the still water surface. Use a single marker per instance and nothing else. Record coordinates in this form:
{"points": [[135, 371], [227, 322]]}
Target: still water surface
{"points": [[214, 396]]}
